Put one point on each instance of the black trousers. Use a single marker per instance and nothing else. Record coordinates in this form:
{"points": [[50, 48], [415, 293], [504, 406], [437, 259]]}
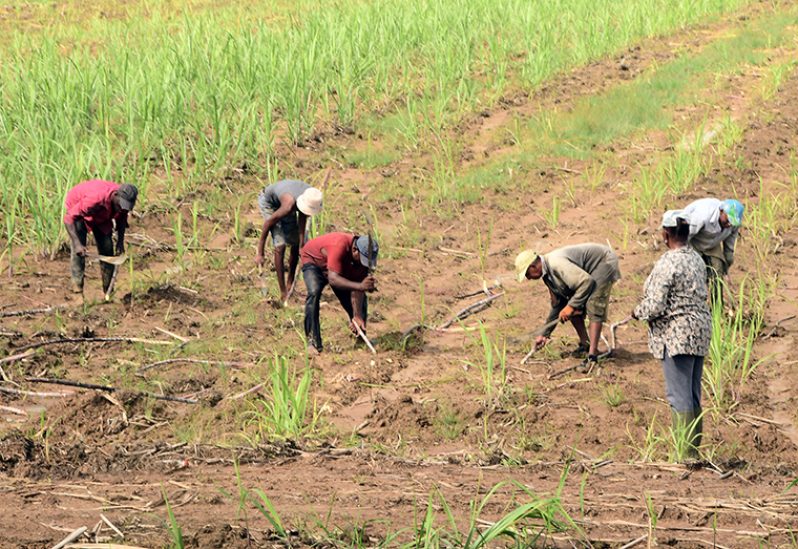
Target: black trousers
{"points": [[315, 281], [105, 246]]}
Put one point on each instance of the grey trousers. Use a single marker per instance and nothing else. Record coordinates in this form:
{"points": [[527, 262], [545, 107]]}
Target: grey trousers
{"points": [[105, 246], [683, 381]]}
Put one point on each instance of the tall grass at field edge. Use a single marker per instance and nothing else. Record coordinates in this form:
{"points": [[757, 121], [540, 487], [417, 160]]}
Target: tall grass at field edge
{"points": [[206, 98]]}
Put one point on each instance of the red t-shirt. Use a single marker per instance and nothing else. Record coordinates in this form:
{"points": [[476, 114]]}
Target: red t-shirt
{"points": [[91, 202], [333, 252]]}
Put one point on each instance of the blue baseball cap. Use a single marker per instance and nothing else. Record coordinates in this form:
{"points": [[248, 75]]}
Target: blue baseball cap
{"points": [[367, 257]]}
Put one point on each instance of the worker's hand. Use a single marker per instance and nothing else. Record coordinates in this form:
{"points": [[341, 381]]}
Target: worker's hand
{"points": [[357, 323], [369, 284], [120, 248], [541, 342], [259, 259], [80, 250], [567, 312]]}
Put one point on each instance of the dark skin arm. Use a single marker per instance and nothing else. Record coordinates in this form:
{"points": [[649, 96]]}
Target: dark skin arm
{"points": [[303, 223], [120, 237], [337, 280], [287, 204], [293, 260], [279, 266], [542, 340], [121, 225], [358, 290], [79, 248]]}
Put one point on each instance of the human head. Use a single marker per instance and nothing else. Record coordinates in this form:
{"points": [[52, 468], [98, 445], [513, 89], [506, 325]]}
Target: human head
{"points": [[310, 201], [126, 196], [361, 252], [528, 265], [675, 228], [731, 213]]}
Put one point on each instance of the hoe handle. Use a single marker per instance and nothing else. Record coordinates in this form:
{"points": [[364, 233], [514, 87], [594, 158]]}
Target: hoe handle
{"points": [[536, 333], [110, 289], [365, 339]]}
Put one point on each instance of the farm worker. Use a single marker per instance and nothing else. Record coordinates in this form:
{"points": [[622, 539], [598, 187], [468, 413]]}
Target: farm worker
{"points": [[286, 206], [579, 279], [97, 205], [714, 226], [679, 324], [342, 260]]}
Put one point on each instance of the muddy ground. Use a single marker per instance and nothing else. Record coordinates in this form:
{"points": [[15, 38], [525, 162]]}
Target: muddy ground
{"points": [[397, 426]]}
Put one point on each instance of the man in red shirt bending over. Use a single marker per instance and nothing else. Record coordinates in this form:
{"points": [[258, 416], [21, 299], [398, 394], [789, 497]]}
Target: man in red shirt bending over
{"points": [[95, 205], [343, 261]]}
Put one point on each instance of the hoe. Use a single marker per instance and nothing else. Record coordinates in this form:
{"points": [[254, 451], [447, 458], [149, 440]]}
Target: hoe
{"points": [[116, 261]]}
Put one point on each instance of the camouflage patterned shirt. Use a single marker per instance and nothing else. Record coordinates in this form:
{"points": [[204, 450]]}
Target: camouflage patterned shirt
{"points": [[675, 305]]}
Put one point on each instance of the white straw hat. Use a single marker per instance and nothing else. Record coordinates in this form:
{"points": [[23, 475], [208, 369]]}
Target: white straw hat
{"points": [[309, 202]]}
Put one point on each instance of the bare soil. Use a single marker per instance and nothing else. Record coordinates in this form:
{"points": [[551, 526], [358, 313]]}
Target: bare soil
{"points": [[398, 425]]}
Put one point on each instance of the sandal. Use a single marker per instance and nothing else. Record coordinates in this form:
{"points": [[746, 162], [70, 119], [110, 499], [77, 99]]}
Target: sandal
{"points": [[588, 365], [580, 351]]}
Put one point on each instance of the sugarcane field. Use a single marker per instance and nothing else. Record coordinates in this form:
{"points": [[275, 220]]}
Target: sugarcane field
{"points": [[398, 274]]}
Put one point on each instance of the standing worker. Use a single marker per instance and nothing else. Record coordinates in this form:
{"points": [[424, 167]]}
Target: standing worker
{"points": [[96, 205], [679, 324], [343, 260], [714, 226], [579, 279], [286, 206]]}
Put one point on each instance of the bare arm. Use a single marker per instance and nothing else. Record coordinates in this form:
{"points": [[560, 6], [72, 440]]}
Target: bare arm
{"points": [[79, 248], [303, 223], [336, 280], [557, 305], [728, 247], [121, 225], [286, 205]]}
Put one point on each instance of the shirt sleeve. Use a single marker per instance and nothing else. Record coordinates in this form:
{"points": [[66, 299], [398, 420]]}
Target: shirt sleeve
{"points": [[697, 220], [695, 228], [557, 305], [577, 281], [728, 247], [335, 257], [77, 211], [655, 299]]}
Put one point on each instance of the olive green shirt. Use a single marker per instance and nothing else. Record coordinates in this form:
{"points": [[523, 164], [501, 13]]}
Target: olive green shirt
{"points": [[573, 273]]}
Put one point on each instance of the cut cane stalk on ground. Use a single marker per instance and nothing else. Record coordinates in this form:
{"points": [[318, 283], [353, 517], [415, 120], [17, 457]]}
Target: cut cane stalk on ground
{"points": [[108, 388], [494, 512]]}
